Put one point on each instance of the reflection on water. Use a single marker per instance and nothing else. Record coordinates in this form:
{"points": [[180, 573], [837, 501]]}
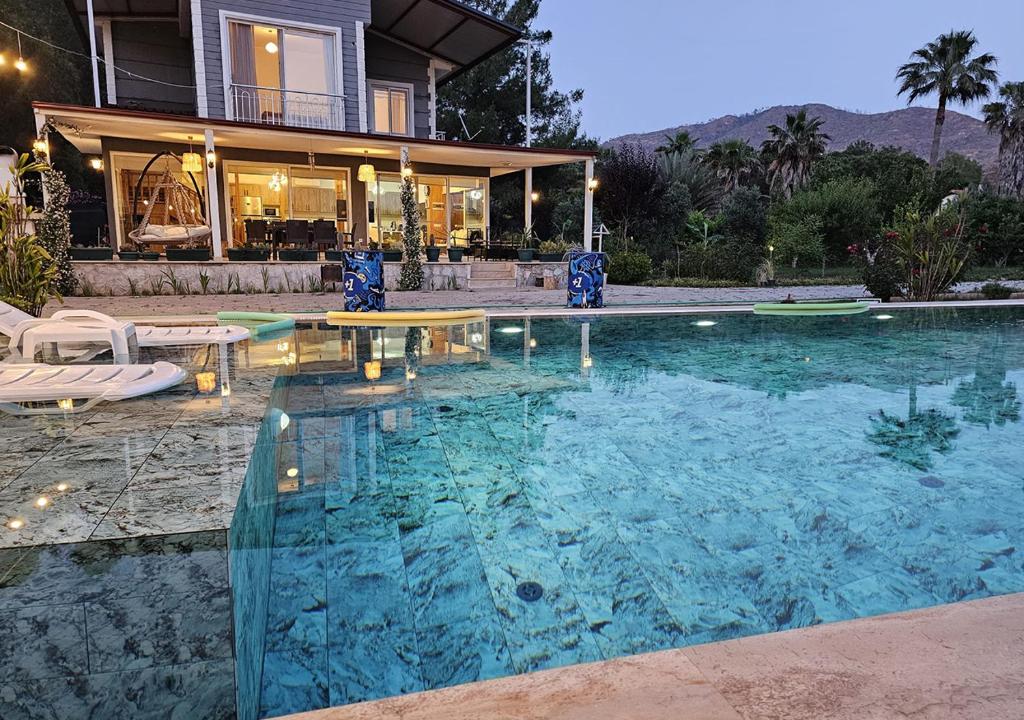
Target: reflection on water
{"points": [[665, 482]]}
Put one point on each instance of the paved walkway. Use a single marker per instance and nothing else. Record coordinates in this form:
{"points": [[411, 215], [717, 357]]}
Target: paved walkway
{"points": [[952, 662], [615, 296]]}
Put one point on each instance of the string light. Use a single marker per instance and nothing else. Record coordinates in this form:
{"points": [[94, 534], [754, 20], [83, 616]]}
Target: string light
{"points": [[22, 66]]}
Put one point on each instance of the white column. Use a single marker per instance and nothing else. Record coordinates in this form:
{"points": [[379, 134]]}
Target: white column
{"points": [[588, 205], [528, 203], [108, 62], [213, 199], [92, 52]]}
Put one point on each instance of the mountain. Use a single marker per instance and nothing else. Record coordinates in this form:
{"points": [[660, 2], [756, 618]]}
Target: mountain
{"points": [[909, 128]]}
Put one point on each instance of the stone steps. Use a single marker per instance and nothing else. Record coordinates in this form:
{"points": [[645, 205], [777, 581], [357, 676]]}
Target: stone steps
{"points": [[492, 275]]}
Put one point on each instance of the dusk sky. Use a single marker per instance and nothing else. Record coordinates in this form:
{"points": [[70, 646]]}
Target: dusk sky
{"points": [[649, 64]]}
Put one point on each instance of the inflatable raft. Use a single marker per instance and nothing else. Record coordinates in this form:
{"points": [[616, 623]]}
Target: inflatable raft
{"points": [[804, 309], [406, 317]]}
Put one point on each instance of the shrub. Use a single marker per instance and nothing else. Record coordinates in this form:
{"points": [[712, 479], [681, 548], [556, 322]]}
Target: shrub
{"points": [[797, 240], [629, 268], [932, 251], [881, 270], [846, 208], [996, 291]]}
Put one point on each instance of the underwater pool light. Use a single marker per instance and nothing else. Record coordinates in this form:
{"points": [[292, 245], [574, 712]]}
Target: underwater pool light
{"points": [[285, 420], [42, 501], [705, 323], [533, 342], [292, 472], [513, 330], [476, 337], [883, 317], [16, 524], [62, 487]]}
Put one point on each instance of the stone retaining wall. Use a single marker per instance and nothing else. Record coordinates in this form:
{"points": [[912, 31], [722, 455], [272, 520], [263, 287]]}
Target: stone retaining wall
{"points": [[533, 274], [223, 277]]}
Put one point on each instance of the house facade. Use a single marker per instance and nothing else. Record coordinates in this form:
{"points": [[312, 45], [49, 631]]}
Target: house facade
{"points": [[285, 101]]}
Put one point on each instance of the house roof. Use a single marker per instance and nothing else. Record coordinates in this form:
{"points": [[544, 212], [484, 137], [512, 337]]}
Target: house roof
{"points": [[446, 29], [85, 127]]}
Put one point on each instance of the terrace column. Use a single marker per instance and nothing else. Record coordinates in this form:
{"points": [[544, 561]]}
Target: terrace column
{"points": [[528, 195], [92, 52], [213, 197], [588, 205]]}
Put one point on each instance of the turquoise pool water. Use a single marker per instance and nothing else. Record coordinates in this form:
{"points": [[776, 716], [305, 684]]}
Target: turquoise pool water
{"points": [[664, 482]]}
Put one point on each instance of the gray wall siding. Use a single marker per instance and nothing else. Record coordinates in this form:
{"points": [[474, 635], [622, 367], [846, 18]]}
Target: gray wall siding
{"points": [[386, 60], [332, 13], [156, 50]]}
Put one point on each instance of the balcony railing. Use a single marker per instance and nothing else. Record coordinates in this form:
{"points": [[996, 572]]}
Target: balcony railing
{"points": [[279, 106]]}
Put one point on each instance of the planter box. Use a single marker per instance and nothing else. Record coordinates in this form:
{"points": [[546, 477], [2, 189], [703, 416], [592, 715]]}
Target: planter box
{"points": [[334, 255], [151, 256], [188, 254], [433, 254], [392, 256], [293, 255], [129, 255], [91, 253], [455, 254], [526, 254], [551, 257], [245, 254]]}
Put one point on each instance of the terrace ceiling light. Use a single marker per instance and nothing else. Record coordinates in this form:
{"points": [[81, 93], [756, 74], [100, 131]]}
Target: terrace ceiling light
{"points": [[366, 173]]}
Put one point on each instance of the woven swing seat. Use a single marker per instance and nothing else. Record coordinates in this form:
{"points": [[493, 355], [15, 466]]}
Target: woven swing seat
{"points": [[182, 223]]}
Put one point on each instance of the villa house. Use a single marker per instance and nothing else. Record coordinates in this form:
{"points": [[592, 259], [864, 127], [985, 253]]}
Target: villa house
{"points": [[285, 102]]}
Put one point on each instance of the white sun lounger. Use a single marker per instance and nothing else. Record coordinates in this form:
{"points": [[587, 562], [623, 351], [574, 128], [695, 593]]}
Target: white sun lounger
{"points": [[76, 388], [65, 327]]}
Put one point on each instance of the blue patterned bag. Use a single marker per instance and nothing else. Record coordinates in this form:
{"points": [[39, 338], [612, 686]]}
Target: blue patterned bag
{"points": [[363, 281], [586, 279]]}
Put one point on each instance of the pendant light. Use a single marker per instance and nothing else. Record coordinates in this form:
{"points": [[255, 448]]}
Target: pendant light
{"points": [[191, 162], [366, 173]]}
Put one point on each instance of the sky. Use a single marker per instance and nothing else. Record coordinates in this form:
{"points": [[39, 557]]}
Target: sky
{"points": [[645, 65]]}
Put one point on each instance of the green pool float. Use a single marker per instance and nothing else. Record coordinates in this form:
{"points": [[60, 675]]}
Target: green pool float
{"points": [[257, 322], [806, 309]]}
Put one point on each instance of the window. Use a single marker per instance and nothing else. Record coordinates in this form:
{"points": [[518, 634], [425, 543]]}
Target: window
{"points": [[282, 75], [392, 109]]}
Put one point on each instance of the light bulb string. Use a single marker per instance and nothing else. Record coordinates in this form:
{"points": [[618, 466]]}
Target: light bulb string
{"points": [[123, 71]]}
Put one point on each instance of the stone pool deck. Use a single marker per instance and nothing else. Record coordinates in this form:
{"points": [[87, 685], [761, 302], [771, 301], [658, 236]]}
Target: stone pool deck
{"points": [[951, 662]]}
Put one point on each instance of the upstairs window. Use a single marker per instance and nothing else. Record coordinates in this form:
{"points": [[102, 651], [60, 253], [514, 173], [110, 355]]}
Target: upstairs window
{"points": [[392, 109]]}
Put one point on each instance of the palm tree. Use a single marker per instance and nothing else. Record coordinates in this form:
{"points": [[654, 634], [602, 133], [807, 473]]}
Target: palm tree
{"points": [[1007, 119], [791, 151], [733, 161], [678, 144], [945, 66]]}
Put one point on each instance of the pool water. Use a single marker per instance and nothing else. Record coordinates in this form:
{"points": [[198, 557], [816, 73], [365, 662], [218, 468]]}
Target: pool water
{"points": [[658, 483]]}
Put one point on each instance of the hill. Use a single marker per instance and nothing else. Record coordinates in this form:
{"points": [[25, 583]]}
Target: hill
{"points": [[909, 128]]}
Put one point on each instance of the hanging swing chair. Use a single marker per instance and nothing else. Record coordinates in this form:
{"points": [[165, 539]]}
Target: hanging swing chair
{"points": [[182, 222]]}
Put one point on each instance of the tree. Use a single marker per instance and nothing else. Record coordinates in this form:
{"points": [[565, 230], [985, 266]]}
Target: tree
{"points": [[791, 151], [796, 240], [412, 270], [945, 67], [632, 187], [846, 209], [54, 228], [1007, 118], [735, 162], [953, 173], [899, 177], [687, 170], [679, 143], [491, 97]]}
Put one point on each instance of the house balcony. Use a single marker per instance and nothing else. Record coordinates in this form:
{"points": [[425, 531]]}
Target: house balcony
{"points": [[280, 106]]}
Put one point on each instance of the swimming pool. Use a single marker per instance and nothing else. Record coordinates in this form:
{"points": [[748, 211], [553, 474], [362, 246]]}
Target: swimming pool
{"points": [[534, 494]]}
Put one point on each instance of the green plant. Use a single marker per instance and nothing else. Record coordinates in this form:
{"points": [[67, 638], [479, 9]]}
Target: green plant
{"points": [[412, 271], [86, 288], [931, 251], [629, 268], [316, 284], [791, 150], [797, 239], [524, 238], [1007, 118], [234, 284], [156, 286], [133, 287], [552, 247], [204, 281], [765, 273], [265, 277], [28, 275], [945, 67], [54, 229], [996, 291], [177, 285]]}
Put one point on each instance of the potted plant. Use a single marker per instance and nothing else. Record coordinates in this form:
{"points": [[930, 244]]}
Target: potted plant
{"points": [[133, 251], [298, 255], [455, 254], [433, 253], [552, 251], [334, 255], [149, 255], [190, 251], [80, 252], [524, 241], [392, 254]]}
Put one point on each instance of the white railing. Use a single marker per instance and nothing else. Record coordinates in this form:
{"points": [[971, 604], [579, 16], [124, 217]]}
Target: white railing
{"points": [[279, 106]]}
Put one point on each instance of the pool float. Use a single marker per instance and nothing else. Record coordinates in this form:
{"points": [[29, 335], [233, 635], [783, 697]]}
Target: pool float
{"points": [[406, 317], [807, 309], [257, 322]]}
